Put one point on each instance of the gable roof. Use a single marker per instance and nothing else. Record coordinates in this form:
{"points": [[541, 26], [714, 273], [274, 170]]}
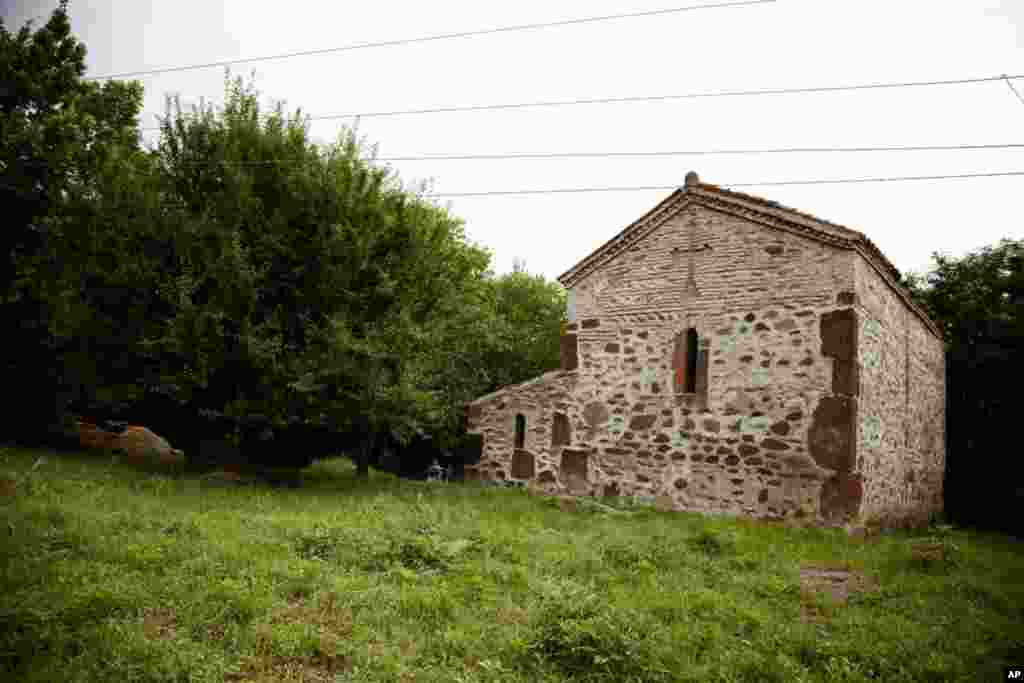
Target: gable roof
{"points": [[754, 208]]}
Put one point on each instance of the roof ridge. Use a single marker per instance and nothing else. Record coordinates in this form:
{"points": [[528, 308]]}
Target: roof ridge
{"points": [[779, 206], [694, 189]]}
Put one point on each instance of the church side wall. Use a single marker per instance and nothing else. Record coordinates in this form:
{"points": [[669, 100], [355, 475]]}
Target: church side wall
{"points": [[773, 436], [901, 430]]}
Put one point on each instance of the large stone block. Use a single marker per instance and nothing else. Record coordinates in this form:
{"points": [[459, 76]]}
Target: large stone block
{"points": [[574, 469], [560, 430], [569, 352], [522, 464], [139, 444], [841, 497], [832, 436], [839, 341], [595, 414]]}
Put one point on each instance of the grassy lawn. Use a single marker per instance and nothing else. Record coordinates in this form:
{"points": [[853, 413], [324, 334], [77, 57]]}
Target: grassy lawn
{"points": [[115, 573]]}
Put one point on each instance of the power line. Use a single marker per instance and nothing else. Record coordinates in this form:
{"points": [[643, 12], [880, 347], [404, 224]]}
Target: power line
{"points": [[638, 188], [619, 155], [437, 37], [660, 98], [707, 152], [1009, 84], [837, 181]]}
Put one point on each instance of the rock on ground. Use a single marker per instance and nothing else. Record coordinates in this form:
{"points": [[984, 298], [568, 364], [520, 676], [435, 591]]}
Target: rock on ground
{"points": [[139, 444]]}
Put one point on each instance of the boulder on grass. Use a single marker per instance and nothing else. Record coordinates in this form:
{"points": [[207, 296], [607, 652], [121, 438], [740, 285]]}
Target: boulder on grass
{"points": [[92, 437], [8, 486], [174, 457], [140, 445]]}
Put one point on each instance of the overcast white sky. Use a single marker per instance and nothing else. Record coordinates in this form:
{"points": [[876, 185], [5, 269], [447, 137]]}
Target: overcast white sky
{"points": [[789, 43]]}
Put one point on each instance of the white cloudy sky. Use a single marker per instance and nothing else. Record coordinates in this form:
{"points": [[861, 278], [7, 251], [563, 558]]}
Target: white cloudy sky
{"points": [[789, 43]]}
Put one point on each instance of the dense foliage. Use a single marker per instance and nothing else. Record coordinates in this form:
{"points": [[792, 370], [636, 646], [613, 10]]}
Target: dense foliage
{"points": [[58, 133], [238, 269], [978, 301]]}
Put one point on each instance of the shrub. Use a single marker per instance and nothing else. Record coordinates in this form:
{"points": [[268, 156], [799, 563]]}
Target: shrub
{"points": [[713, 544], [584, 639]]}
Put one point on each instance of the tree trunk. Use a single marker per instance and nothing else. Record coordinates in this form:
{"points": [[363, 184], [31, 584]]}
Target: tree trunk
{"points": [[365, 452]]}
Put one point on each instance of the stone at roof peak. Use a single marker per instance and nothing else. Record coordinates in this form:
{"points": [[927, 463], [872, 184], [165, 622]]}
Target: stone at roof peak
{"points": [[692, 179]]}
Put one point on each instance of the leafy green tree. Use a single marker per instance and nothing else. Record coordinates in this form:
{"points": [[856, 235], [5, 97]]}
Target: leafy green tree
{"points": [[499, 331], [978, 302], [531, 311], [971, 296], [240, 268], [57, 132], [315, 284]]}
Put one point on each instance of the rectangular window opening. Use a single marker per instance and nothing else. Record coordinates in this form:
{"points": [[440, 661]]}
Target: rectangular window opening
{"points": [[520, 431]]}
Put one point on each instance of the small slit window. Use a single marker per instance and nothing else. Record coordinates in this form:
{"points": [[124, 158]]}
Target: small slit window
{"points": [[691, 361], [520, 431]]}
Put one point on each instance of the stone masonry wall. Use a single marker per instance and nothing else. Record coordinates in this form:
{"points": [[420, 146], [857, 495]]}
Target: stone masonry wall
{"points": [[742, 446], [901, 434], [740, 266], [627, 434], [494, 415], [776, 430]]}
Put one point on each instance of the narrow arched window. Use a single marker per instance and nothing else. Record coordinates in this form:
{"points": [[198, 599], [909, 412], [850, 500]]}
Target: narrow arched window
{"points": [[520, 431], [691, 361]]}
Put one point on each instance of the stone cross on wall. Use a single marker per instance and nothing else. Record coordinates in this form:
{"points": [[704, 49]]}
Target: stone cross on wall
{"points": [[690, 290]]}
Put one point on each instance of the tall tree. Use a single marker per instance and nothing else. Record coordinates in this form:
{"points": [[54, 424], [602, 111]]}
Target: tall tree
{"points": [[978, 302], [315, 280], [239, 268], [56, 131]]}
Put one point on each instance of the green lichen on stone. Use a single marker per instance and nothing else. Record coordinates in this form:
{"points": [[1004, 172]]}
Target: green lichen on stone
{"points": [[728, 344], [872, 426], [755, 425], [616, 424], [872, 328], [679, 441], [761, 376], [871, 359], [648, 376]]}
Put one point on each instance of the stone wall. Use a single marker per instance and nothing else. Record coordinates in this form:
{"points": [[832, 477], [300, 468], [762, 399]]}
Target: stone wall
{"points": [[901, 434], [494, 417], [775, 427], [746, 448], [739, 265]]}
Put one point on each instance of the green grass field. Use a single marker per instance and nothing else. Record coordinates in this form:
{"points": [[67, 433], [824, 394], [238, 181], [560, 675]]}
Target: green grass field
{"points": [[115, 573]]}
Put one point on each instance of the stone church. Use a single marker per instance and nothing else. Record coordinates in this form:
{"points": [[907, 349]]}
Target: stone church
{"points": [[726, 354]]}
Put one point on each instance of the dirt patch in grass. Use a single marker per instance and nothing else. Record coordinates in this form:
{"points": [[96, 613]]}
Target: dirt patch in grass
{"points": [[160, 623], [324, 613], [835, 584], [407, 648], [928, 553], [511, 615], [216, 632], [312, 669]]}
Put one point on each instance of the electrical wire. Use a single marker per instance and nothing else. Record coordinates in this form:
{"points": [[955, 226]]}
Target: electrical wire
{"points": [[777, 183], [1014, 90], [657, 98], [726, 186], [621, 155], [442, 36]]}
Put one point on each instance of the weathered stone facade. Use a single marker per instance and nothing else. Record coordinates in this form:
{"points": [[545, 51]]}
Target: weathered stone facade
{"points": [[730, 355]]}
